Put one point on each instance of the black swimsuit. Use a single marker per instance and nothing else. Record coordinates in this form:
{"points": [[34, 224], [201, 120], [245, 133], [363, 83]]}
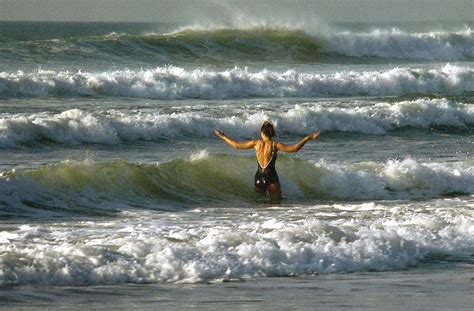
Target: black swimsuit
{"points": [[267, 175]]}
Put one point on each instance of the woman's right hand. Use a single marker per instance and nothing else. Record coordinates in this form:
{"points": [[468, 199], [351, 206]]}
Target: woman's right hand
{"points": [[219, 134]]}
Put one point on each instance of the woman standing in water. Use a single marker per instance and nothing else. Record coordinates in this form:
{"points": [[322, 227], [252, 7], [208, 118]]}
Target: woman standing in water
{"points": [[266, 178]]}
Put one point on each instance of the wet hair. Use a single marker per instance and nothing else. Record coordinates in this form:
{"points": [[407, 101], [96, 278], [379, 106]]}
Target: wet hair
{"points": [[268, 129]]}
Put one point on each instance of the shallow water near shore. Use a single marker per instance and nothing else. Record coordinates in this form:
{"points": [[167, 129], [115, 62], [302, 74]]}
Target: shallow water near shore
{"points": [[437, 286]]}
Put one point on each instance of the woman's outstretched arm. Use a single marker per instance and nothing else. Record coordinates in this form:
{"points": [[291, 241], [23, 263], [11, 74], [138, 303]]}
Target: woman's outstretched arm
{"points": [[296, 147], [237, 145]]}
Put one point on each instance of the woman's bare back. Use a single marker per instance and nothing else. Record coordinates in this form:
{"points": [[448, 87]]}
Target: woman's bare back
{"points": [[263, 150]]}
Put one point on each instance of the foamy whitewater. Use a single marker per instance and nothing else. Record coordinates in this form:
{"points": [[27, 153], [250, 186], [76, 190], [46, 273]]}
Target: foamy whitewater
{"points": [[110, 173]]}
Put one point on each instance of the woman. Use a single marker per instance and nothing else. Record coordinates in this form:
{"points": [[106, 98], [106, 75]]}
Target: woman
{"points": [[266, 178]]}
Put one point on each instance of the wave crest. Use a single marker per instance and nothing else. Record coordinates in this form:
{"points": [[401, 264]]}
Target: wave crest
{"points": [[215, 180], [178, 83], [254, 44], [399, 44], [111, 127]]}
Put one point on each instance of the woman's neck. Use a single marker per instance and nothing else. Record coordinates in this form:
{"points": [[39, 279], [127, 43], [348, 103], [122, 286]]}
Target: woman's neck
{"points": [[266, 138]]}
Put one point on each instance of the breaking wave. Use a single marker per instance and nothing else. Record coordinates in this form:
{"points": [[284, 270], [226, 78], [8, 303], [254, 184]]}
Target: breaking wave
{"points": [[112, 126], [172, 82], [86, 188], [253, 44], [398, 44]]}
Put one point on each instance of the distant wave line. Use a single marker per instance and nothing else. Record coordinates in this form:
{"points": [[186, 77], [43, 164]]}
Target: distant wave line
{"points": [[265, 44]]}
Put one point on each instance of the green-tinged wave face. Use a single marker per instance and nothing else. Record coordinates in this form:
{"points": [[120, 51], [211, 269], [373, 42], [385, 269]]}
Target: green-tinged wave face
{"points": [[218, 180], [255, 44], [208, 180], [87, 188], [231, 46], [101, 188], [219, 45]]}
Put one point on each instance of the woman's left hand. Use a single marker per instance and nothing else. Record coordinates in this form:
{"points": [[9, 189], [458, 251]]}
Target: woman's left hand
{"points": [[314, 135]]}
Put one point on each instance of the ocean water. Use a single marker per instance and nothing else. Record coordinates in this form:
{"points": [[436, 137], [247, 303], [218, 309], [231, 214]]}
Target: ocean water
{"points": [[112, 183]]}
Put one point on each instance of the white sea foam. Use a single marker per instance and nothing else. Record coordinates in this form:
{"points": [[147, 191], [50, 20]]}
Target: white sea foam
{"points": [[378, 118], [178, 83], [116, 126], [399, 44], [144, 248], [396, 179], [202, 154]]}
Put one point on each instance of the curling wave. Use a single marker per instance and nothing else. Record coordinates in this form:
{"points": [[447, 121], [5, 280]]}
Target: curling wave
{"points": [[178, 83], [84, 188], [254, 44]]}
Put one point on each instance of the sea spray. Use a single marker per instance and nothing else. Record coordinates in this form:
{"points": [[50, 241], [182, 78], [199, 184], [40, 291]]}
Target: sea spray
{"points": [[252, 43], [399, 44]]}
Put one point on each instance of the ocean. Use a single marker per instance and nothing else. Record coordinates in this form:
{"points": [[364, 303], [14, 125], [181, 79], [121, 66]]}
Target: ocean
{"points": [[114, 192]]}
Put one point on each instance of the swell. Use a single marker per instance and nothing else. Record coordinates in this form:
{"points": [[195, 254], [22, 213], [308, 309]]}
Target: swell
{"points": [[113, 127], [172, 82], [86, 188], [254, 44]]}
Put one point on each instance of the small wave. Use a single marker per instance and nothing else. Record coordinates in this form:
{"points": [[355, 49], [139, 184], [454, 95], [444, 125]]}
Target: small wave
{"points": [[77, 188], [178, 83], [113, 127]]}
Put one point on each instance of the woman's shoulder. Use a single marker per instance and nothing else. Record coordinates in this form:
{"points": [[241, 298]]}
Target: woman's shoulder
{"points": [[260, 143], [275, 145]]}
